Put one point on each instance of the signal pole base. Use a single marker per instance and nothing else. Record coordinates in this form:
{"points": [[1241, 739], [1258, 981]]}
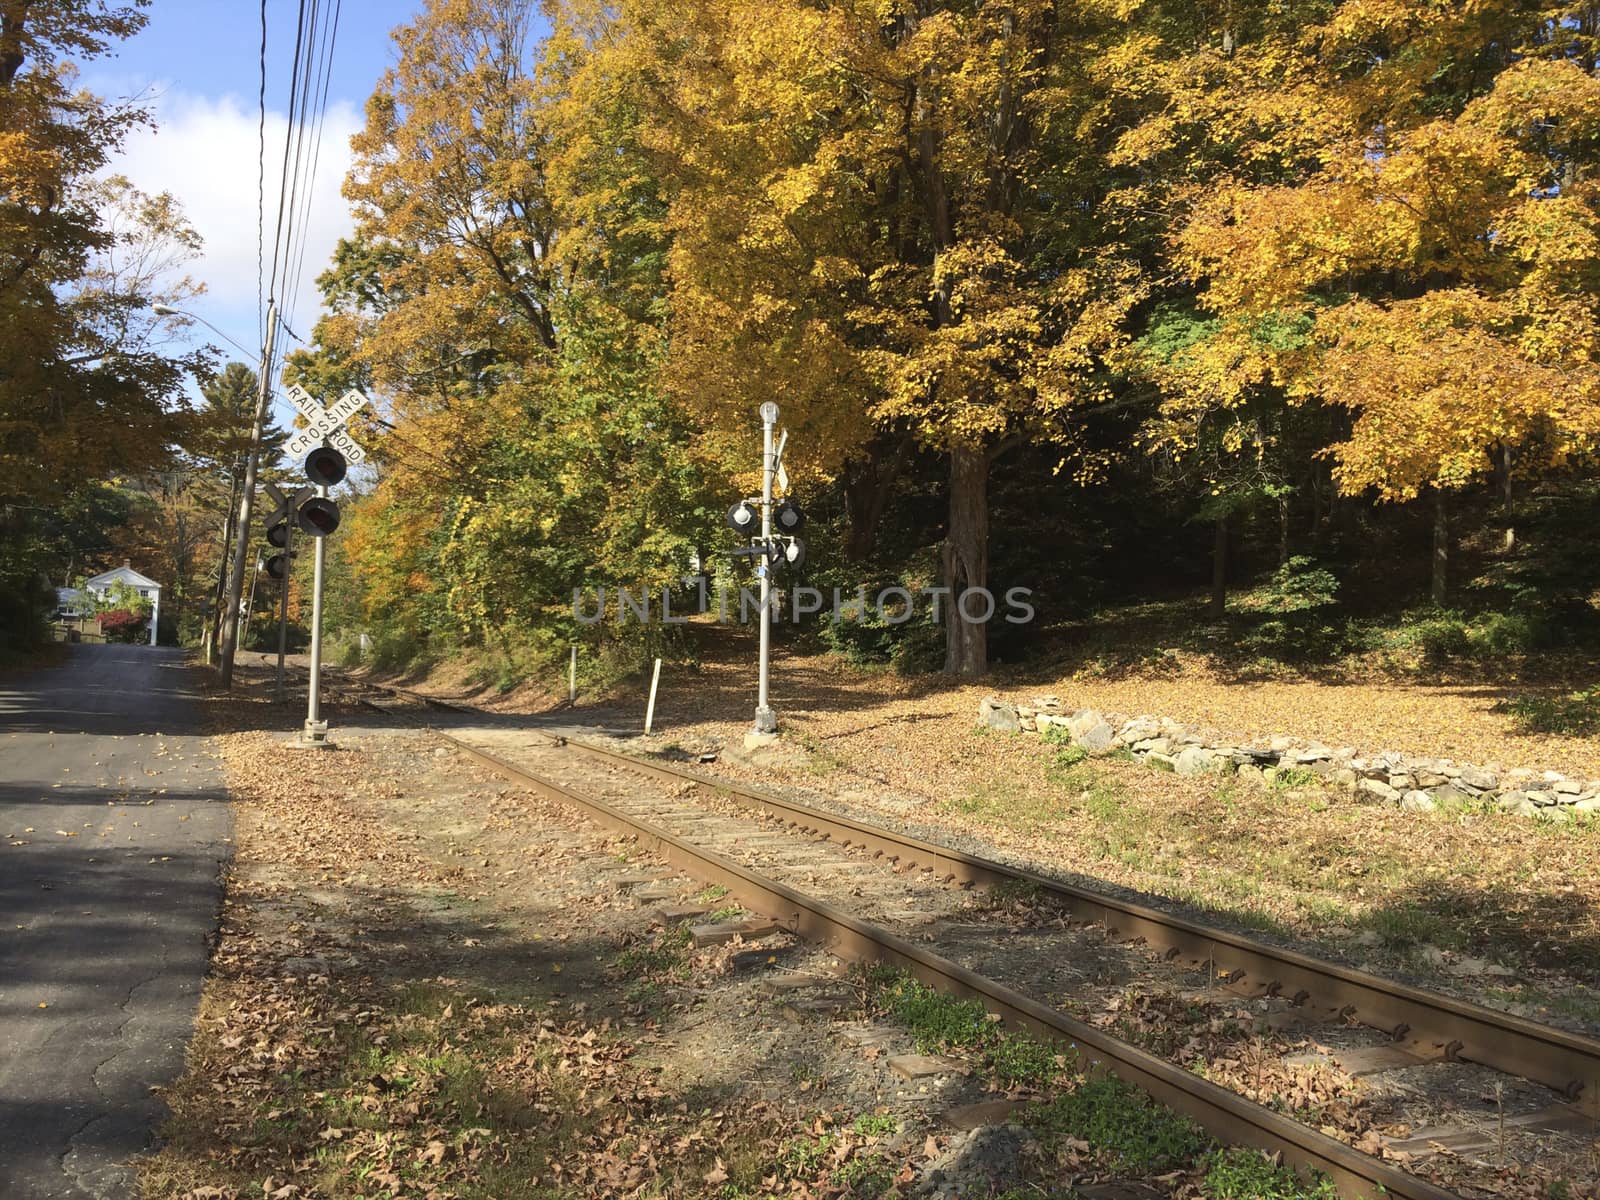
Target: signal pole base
{"points": [[313, 737], [766, 722]]}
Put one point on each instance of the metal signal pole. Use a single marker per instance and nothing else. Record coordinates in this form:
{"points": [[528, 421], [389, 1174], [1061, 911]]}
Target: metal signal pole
{"points": [[766, 721], [283, 606], [316, 731], [241, 550]]}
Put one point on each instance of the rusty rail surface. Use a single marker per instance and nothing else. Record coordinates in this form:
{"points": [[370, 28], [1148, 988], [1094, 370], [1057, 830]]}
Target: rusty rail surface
{"points": [[1228, 1117]]}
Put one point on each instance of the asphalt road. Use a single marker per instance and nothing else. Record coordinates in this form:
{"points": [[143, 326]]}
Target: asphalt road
{"points": [[113, 832]]}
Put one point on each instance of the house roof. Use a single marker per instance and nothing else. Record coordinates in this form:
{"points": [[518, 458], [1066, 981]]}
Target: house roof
{"points": [[122, 574]]}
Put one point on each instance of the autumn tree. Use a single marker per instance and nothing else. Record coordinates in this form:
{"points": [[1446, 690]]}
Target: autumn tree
{"points": [[1441, 252], [493, 301], [87, 381], [883, 217]]}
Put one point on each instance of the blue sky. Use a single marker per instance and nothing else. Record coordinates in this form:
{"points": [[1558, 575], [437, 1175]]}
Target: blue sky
{"points": [[196, 65]]}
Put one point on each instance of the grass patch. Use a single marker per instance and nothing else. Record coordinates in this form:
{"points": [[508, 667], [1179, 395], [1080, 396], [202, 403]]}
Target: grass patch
{"points": [[940, 1023], [665, 953], [1575, 714], [396, 1095], [1291, 778], [1125, 1128], [1239, 1174]]}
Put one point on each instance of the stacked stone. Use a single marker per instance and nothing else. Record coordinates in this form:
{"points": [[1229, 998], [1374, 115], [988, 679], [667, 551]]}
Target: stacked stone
{"points": [[1407, 781]]}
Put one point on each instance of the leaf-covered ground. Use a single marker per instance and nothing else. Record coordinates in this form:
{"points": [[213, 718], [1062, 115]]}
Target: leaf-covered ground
{"points": [[427, 984]]}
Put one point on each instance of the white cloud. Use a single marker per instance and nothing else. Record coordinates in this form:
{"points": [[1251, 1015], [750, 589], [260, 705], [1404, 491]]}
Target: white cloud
{"points": [[205, 152]]}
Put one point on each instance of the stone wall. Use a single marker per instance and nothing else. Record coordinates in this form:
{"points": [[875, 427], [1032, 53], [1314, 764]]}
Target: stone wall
{"points": [[1412, 783]]}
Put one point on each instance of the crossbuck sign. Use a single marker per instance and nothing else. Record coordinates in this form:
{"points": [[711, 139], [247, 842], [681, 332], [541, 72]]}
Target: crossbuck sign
{"points": [[325, 425]]}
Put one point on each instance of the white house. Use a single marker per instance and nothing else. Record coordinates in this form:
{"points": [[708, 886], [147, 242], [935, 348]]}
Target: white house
{"points": [[69, 603], [146, 587]]}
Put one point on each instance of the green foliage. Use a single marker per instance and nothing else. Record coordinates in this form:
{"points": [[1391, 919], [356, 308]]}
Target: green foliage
{"points": [[1068, 757], [875, 1124], [123, 597], [1446, 636], [911, 645], [939, 1022], [1174, 327], [1575, 714], [1304, 625], [1552, 576], [1298, 585], [1235, 1173], [1288, 779], [1123, 1126]]}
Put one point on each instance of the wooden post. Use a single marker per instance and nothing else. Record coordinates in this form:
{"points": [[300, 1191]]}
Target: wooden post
{"points": [[650, 709], [572, 676]]}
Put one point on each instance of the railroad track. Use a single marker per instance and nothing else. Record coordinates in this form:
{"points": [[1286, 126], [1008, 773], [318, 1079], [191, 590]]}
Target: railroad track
{"points": [[822, 876]]}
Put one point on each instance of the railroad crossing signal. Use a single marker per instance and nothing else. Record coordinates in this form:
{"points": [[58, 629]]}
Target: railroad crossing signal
{"points": [[788, 517], [319, 516], [325, 466], [328, 448], [278, 536], [743, 517], [325, 425], [286, 505]]}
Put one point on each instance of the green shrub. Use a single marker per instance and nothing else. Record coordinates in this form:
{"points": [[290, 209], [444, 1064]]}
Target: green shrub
{"points": [[1507, 633], [1298, 585], [1442, 637], [911, 647], [1303, 625]]}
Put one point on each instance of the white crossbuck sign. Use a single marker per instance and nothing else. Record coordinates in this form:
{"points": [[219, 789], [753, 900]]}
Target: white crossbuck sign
{"points": [[287, 505], [325, 425]]}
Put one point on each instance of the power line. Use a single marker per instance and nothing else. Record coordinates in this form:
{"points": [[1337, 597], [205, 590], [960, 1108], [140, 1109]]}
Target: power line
{"points": [[288, 134], [299, 103], [330, 41]]}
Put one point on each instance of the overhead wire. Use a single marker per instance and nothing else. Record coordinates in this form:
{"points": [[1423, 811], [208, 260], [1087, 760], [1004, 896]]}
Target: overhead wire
{"points": [[299, 103], [288, 136], [329, 41]]}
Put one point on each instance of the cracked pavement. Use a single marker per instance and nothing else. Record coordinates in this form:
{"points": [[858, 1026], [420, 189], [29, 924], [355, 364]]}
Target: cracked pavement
{"points": [[114, 829]]}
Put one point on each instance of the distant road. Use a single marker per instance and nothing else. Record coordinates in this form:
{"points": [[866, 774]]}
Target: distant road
{"points": [[114, 828]]}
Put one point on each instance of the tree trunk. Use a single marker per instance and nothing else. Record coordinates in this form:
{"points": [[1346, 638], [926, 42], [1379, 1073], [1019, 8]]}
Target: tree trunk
{"points": [[867, 487], [1219, 569], [1441, 547], [1283, 530], [1510, 541], [966, 564]]}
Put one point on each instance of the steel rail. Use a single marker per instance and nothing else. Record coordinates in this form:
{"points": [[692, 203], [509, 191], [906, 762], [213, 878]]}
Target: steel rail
{"points": [[1224, 1114], [1429, 1024]]}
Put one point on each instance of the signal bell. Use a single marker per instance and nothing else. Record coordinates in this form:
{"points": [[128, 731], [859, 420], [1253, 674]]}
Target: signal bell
{"points": [[325, 467]]}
